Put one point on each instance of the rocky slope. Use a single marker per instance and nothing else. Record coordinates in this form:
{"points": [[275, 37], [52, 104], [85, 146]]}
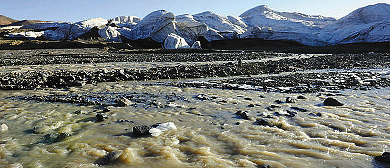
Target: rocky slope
{"points": [[4, 20]]}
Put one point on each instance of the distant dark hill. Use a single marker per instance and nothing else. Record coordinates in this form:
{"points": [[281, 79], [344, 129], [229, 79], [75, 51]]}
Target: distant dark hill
{"points": [[4, 20], [24, 22]]}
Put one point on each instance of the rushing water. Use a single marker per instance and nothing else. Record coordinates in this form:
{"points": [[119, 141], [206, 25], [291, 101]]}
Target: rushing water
{"points": [[208, 133]]}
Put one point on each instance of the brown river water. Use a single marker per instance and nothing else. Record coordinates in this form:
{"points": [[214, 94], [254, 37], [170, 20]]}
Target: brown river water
{"points": [[208, 134]]}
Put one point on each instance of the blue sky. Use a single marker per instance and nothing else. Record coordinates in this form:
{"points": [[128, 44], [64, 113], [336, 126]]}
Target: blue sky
{"points": [[76, 10]]}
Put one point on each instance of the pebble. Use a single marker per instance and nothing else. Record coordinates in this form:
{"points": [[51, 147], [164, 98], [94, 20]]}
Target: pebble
{"points": [[332, 102]]}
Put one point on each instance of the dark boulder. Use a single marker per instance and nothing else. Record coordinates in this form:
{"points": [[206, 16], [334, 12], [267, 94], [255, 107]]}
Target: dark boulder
{"points": [[385, 157], [99, 118], [243, 114], [141, 130], [332, 102]]}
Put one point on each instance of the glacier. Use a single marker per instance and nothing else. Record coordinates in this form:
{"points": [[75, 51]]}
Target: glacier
{"points": [[367, 24], [174, 41]]}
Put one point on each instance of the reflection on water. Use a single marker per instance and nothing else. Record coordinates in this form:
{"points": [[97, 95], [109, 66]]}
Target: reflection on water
{"points": [[209, 133]]}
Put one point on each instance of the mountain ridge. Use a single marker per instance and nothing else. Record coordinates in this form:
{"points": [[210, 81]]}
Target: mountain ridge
{"points": [[366, 24]]}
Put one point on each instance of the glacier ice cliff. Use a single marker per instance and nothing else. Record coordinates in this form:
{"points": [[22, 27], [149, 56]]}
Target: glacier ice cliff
{"points": [[366, 24]]}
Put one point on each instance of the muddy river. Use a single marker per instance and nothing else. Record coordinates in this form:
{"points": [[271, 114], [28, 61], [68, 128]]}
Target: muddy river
{"points": [[208, 134], [206, 130]]}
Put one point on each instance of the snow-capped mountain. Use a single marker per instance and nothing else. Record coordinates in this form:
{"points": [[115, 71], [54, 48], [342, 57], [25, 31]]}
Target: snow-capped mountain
{"points": [[269, 24], [263, 16], [366, 24], [220, 23]]}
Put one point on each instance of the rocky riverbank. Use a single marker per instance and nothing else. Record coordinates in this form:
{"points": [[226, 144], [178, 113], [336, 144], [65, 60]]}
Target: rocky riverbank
{"points": [[204, 65]]}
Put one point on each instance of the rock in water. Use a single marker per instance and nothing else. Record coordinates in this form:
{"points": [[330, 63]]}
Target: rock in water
{"points": [[3, 128], [141, 130], [264, 122], [243, 115], [99, 117], [110, 158], [264, 166], [385, 157], [290, 100], [62, 137], [174, 41], [332, 102], [123, 102]]}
